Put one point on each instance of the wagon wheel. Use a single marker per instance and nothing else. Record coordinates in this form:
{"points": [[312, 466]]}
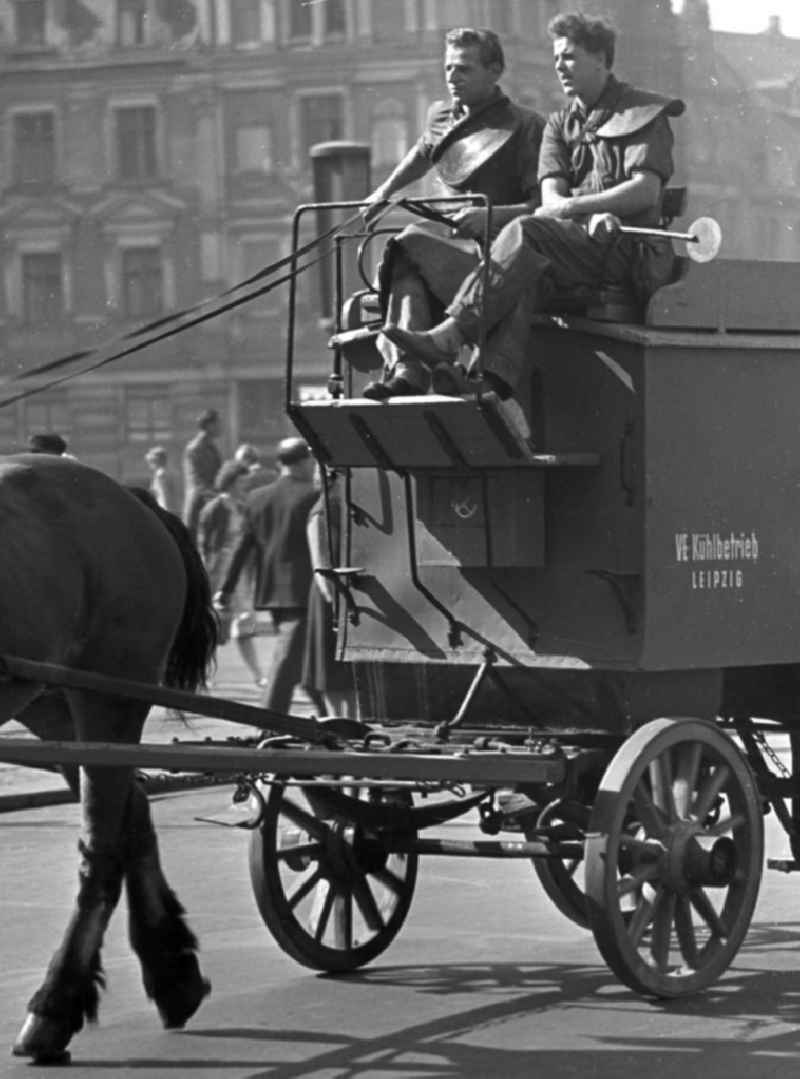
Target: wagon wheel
{"points": [[332, 895], [562, 879], [677, 824]]}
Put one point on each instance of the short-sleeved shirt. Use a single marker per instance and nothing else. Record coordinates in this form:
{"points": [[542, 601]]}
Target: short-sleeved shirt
{"points": [[510, 175], [590, 163]]}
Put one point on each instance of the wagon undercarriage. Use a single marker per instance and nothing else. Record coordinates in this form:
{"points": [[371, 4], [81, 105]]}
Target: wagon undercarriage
{"points": [[654, 842]]}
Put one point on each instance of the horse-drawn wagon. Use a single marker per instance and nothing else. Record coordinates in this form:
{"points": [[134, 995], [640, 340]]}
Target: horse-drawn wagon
{"points": [[589, 639]]}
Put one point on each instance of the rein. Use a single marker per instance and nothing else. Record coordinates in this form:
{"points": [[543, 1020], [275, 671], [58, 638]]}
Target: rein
{"points": [[170, 325]]}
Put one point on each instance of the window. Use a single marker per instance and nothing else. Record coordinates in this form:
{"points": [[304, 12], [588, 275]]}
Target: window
{"points": [[29, 22], [491, 13], [299, 19], [142, 282], [260, 414], [389, 141], [42, 288], [389, 133], [253, 256], [245, 21], [34, 148], [253, 148], [440, 14], [148, 415], [759, 157], [48, 413], [8, 431], [136, 142], [766, 236], [131, 22], [322, 120], [335, 13]]}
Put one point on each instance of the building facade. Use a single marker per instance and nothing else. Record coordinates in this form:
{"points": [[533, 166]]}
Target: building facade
{"points": [[154, 152]]}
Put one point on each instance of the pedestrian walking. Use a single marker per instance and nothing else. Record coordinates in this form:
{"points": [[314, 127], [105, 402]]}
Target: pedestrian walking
{"points": [[219, 529], [201, 463], [258, 474], [275, 532], [163, 482]]}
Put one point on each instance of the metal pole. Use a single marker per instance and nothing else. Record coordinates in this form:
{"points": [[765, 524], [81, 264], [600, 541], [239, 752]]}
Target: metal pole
{"points": [[633, 230]]}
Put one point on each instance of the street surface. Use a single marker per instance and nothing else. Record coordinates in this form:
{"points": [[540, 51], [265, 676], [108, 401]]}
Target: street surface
{"points": [[485, 979]]}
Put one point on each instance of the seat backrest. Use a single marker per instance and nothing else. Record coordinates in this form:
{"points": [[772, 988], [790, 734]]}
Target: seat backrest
{"points": [[673, 204]]}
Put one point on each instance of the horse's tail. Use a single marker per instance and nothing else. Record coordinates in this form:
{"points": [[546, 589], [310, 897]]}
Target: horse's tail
{"points": [[192, 653]]}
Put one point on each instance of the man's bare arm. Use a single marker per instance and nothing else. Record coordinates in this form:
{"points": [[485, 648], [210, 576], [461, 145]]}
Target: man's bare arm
{"points": [[641, 192], [412, 168], [471, 222]]}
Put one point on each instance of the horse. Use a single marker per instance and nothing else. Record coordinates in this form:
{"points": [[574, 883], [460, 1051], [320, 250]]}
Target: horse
{"points": [[98, 577]]}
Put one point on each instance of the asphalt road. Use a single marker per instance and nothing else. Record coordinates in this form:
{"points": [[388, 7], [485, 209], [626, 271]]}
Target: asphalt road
{"points": [[485, 979]]}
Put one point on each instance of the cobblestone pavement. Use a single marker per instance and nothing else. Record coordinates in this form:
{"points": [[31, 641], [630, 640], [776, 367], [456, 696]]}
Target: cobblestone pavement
{"points": [[231, 681]]}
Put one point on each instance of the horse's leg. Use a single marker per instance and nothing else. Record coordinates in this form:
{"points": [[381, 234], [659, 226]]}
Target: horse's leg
{"points": [[15, 697], [69, 992], [165, 945], [48, 717], [43, 713]]}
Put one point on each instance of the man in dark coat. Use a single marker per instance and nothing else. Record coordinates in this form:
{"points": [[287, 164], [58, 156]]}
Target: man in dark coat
{"points": [[275, 530], [478, 142], [201, 463]]}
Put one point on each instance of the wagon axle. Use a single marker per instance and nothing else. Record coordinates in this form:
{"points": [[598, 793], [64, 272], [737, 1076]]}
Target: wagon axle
{"points": [[680, 861]]}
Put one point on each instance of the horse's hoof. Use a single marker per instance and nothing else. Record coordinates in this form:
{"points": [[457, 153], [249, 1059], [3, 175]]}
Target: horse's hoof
{"points": [[43, 1039], [177, 1008]]}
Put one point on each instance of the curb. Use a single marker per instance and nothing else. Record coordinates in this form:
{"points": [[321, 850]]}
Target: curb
{"points": [[153, 785]]}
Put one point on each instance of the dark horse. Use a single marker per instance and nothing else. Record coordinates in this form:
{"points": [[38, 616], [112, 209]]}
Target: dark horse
{"points": [[97, 577]]}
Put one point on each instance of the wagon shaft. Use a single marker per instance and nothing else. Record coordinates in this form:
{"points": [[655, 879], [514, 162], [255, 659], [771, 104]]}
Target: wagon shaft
{"points": [[52, 674], [486, 769]]}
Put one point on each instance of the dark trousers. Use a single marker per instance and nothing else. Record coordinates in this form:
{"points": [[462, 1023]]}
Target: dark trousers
{"points": [[422, 269], [287, 660], [196, 498], [532, 259]]}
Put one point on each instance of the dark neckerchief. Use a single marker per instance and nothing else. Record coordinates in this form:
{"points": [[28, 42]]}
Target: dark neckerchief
{"points": [[590, 121]]}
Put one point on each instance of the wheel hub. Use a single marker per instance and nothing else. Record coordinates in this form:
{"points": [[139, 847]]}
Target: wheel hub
{"points": [[683, 862], [349, 850], [714, 866]]}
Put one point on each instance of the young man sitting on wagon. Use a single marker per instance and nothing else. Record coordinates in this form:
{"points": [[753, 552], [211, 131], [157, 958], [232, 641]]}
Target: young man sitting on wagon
{"points": [[605, 160], [478, 142]]}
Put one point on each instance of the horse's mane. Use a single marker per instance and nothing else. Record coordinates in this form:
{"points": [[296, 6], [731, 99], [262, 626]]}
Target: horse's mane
{"points": [[192, 653]]}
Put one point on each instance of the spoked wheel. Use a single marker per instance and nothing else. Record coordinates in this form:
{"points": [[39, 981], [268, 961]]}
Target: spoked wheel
{"points": [[674, 857], [563, 878], [333, 895]]}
